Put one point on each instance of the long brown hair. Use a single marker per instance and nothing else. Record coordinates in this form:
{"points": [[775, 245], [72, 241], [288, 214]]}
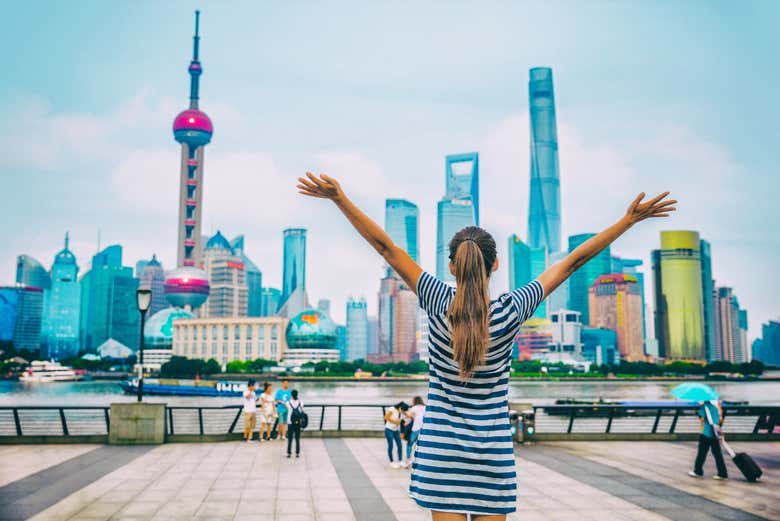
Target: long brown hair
{"points": [[472, 253]]}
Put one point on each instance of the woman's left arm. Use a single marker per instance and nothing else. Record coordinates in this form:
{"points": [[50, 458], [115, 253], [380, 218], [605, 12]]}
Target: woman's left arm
{"points": [[325, 187]]}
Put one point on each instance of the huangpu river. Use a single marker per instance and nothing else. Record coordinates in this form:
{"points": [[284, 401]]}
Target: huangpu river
{"points": [[355, 392]]}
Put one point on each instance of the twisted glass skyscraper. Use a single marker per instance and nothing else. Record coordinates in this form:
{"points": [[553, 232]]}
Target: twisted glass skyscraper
{"points": [[458, 208], [544, 216]]}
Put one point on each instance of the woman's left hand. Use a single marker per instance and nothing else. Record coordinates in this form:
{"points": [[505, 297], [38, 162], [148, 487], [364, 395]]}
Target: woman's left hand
{"points": [[323, 187]]}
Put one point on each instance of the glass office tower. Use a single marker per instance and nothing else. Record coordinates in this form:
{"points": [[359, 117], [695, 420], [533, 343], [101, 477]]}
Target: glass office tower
{"points": [[61, 303], [108, 302], [525, 264], [679, 320], [582, 279], [357, 329], [294, 269], [402, 225], [458, 208], [254, 279], [708, 302], [544, 216], [30, 272]]}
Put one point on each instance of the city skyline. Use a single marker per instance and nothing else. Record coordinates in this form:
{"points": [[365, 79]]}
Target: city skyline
{"points": [[687, 139]]}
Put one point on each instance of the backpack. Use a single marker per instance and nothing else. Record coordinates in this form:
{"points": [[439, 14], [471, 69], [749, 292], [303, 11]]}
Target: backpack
{"points": [[298, 418]]}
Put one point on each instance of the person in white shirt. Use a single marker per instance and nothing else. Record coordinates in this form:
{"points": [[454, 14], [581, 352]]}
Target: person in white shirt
{"points": [[267, 412], [393, 432], [250, 410], [294, 423], [416, 413]]}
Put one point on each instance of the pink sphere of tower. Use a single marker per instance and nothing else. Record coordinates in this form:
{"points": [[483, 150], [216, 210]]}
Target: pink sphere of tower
{"points": [[187, 286], [193, 126]]}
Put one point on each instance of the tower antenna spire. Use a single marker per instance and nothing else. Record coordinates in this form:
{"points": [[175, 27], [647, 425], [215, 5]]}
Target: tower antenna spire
{"points": [[195, 69]]}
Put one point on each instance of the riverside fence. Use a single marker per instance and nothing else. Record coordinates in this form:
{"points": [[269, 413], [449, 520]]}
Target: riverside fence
{"points": [[552, 422]]}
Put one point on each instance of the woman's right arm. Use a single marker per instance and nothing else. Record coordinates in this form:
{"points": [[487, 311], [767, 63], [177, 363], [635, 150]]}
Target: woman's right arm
{"points": [[637, 211], [325, 187]]}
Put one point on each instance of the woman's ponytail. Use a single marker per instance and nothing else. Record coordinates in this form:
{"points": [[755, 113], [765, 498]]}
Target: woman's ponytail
{"points": [[468, 313]]}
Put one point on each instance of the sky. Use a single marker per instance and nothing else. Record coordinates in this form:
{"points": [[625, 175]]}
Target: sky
{"points": [[651, 96]]}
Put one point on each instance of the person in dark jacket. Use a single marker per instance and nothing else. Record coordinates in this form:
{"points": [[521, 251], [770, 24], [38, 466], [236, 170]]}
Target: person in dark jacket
{"points": [[294, 423]]}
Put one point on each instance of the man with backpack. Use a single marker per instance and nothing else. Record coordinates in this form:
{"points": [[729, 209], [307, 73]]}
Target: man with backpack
{"points": [[297, 421]]}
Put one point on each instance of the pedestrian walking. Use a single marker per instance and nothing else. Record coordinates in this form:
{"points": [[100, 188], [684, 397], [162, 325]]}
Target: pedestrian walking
{"points": [[267, 412], [297, 422], [393, 422], [281, 398], [250, 410], [416, 413], [711, 421], [464, 463]]}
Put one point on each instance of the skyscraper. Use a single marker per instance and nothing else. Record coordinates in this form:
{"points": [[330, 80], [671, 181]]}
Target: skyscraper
{"points": [[21, 310], [766, 349], [745, 351], [582, 279], [630, 267], [397, 327], [373, 331], [254, 279], [458, 208], [525, 264], [615, 302], [227, 275], [153, 278], [61, 304], [30, 272], [193, 129], [559, 298], [269, 301], [544, 216], [357, 329], [108, 302], [402, 225], [708, 302], [679, 303], [294, 269]]}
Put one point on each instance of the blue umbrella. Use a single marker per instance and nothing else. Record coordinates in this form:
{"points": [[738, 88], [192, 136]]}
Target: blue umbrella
{"points": [[695, 392]]}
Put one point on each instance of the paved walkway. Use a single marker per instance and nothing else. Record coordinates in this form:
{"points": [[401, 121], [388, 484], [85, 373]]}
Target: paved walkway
{"points": [[349, 480]]}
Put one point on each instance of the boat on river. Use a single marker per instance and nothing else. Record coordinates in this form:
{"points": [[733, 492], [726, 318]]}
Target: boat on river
{"points": [[43, 371], [181, 387]]}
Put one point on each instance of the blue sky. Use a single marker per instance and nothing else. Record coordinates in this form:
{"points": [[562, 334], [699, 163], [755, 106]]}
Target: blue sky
{"points": [[650, 96]]}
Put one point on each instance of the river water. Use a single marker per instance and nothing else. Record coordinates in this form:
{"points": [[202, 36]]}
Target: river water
{"points": [[352, 392]]}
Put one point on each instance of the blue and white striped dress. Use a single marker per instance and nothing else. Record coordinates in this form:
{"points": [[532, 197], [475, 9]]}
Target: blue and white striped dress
{"points": [[464, 460]]}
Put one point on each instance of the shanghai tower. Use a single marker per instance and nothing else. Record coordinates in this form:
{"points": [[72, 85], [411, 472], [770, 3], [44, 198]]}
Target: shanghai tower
{"points": [[544, 215]]}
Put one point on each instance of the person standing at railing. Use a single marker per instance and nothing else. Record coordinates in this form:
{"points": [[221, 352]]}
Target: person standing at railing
{"points": [[296, 419], [267, 412], [464, 463], [281, 399], [711, 422], [393, 432], [416, 413], [250, 410]]}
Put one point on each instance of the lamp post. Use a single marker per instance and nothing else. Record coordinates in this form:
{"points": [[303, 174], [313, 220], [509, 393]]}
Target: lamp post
{"points": [[143, 298]]}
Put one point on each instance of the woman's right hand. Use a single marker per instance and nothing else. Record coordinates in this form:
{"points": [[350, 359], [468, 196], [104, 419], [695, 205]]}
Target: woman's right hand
{"points": [[322, 187]]}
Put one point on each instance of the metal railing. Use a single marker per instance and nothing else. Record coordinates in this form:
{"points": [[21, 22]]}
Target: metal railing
{"points": [[649, 419], [71, 421]]}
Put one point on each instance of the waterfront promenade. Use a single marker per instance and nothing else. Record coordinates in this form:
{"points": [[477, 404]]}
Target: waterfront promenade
{"points": [[343, 479]]}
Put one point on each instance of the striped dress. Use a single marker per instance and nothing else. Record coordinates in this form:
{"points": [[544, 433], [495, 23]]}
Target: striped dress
{"points": [[464, 460]]}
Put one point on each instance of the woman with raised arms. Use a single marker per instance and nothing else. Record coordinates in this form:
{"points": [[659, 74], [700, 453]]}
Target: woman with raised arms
{"points": [[464, 464]]}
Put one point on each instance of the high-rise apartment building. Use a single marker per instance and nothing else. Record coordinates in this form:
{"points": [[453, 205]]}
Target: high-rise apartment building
{"points": [[615, 302], [153, 278], [458, 208], [582, 279], [631, 267], [61, 305], [226, 273], [397, 327], [108, 302], [254, 279], [544, 215], [679, 301], [357, 329]]}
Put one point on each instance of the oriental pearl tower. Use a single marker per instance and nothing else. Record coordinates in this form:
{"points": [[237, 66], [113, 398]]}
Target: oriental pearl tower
{"points": [[187, 286]]}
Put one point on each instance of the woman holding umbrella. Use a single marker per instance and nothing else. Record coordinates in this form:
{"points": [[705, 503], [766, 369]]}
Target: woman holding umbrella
{"points": [[711, 419]]}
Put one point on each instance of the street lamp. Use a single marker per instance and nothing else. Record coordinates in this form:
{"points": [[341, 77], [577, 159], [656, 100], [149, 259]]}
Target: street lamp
{"points": [[143, 298]]}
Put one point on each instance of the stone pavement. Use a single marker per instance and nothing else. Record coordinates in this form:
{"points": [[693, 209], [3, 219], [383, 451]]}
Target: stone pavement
{"points": [[350, 480]]}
